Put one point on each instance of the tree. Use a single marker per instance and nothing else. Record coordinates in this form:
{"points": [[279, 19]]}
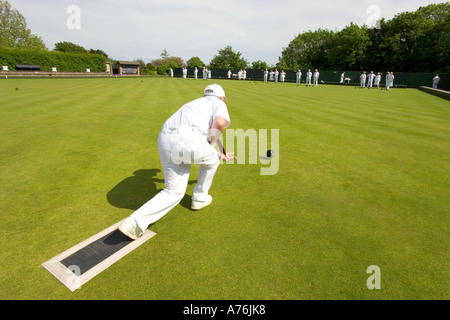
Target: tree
{"points": [[164, 54], [431, 41], [376, 52], [150, 67], [403, 31], [307, 50], [347, 47], [166, 62], [259, 65], [410, 42], [163, 65], [13, 29], [141, 64], [195, 62], [147, 69], [100, 52], [413, 41], [228, 59], [164, 69], [69, 47]]}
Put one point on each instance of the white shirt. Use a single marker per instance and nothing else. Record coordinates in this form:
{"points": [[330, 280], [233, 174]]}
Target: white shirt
{"points": [[199, 113]]}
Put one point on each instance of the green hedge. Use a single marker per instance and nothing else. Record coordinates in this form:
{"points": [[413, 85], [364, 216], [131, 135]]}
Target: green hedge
{"points": [[63, 61]]}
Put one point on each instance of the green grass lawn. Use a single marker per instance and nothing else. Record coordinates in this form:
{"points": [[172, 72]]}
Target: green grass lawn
{"points": [[363, 180]]}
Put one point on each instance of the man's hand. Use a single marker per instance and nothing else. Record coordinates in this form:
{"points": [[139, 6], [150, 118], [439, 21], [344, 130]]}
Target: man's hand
{"points": [[228, 157]]}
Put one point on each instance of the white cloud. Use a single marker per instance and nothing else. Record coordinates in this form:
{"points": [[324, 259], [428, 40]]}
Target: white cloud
{"points": [[142, 29]]}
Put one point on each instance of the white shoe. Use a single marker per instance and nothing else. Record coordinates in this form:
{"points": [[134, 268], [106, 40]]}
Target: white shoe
{"points": [[130, 228], [197, 205]]}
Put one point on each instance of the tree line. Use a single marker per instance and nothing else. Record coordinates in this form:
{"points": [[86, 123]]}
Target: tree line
{"points": [[410, 42]]}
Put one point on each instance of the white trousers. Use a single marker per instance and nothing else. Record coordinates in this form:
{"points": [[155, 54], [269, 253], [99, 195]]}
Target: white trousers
{"points": [[178, 149]]}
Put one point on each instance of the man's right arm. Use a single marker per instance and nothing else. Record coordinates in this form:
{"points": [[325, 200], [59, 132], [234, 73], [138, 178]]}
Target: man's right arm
{"points": [[218, 126]]}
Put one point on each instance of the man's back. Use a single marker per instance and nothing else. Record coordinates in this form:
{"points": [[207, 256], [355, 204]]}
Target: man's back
{"points": [[198, 113]]}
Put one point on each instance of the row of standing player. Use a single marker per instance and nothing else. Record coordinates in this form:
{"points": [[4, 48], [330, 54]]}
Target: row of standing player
{"points": [[366, 80], [311, 79], [275, 76], [242, 75], [375, 80], [206, 73], [370, 80], [281, 76]]}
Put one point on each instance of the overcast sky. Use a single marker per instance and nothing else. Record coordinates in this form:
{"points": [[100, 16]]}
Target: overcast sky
{"points": [[142, 29]]}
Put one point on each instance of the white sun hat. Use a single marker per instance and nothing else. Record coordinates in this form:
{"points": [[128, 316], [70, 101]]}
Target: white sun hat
{"points": [[215, 90]]}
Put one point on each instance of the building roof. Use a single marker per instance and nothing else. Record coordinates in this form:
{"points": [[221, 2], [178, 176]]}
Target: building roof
{"points": [[133, 63]]}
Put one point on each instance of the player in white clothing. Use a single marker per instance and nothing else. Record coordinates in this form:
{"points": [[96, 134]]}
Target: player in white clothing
{"points": [[388, 80], [362, 79], [436, 80], [370, 79], [187, 137], [316, 78], [378, 80], [298, 76], [308, 78], [282, 76]]}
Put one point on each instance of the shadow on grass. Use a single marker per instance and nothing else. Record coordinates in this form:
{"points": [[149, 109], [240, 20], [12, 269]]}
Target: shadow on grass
{"points": [[135, 191]]}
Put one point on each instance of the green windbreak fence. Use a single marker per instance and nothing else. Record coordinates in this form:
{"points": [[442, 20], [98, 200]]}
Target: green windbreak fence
{"points": [[402, 79]]}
